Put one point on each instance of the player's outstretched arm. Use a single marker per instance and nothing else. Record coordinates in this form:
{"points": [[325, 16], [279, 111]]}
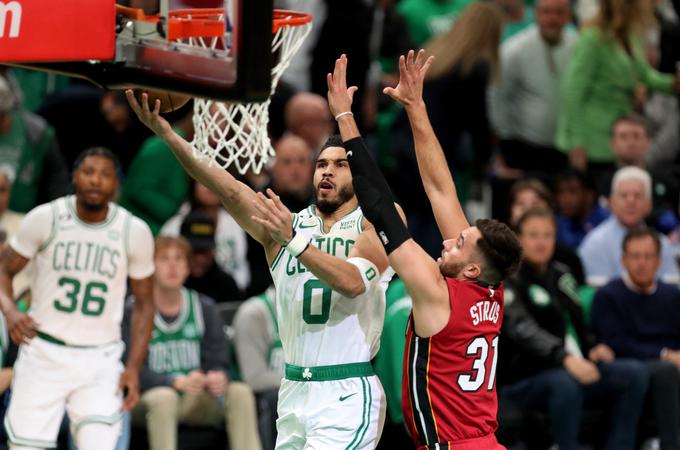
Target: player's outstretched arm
{"points": [[140, 333], [236, 197], [432, 164], [340, 275]]}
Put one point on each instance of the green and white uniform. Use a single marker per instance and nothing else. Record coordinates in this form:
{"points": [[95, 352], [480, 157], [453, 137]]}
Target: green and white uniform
{"points": [[78, 291], [175, 347], [329, 397]]}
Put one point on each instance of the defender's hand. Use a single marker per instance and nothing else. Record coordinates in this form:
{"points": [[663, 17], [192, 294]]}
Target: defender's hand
{"points": [[129, 386], [149, 117], [21, 326], [339, 95], [274, 216], [412, 70]]}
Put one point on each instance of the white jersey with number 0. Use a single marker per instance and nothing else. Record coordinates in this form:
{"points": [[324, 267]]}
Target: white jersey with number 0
{"points": [[81, 269], [317, 325]]}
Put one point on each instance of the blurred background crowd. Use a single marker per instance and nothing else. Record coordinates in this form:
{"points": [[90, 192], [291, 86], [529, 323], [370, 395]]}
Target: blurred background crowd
{"points": [[559, 117]]}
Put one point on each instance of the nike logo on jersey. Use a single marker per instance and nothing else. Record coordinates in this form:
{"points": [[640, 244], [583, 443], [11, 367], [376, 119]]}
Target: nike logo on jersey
{"points": [[308, 225], [345, 397]]}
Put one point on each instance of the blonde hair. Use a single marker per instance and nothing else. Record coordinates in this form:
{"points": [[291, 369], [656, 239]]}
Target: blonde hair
{"points": [[475, 37], [618, 19], [165, 242]]}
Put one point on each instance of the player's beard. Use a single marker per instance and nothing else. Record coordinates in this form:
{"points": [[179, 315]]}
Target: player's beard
{"points": [[452, 269], [345, 194], [90, 206]]}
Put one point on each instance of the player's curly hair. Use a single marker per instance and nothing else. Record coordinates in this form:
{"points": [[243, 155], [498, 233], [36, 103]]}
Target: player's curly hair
{"points": [[334, 140], [500, 249]]}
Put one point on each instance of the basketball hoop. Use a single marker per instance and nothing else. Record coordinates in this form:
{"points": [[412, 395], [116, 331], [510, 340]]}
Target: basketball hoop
{"points": [[236, 133]]}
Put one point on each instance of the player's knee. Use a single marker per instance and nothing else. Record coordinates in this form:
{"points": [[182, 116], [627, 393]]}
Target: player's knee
{"points": [[98, 436]]}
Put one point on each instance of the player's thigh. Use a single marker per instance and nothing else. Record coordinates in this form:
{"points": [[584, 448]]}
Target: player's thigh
{"points": [[97, 400], [351, 416], [290, 426], [42, 380]]}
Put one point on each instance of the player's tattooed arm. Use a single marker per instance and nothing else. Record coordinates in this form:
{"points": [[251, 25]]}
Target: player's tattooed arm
{"points": [[432, 164], [140, 333], [21, 325], [235, 196]]}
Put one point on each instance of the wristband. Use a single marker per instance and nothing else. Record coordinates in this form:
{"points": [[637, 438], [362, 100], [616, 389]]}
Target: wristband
{"points": [[297, 245], [346, 113]]}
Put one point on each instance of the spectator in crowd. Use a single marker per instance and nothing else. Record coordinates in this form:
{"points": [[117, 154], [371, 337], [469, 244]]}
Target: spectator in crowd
{"points": [[518, 17], [607, 62], [156, 184], [35, 86], [428, 18], [630, 145], [184, 378], [578, 208], [260, 357], [308, 117], [28, 148], [205, 275], [291, 173], [639, 317], [9, 225], [530, 194], [231, 245], [525, 101], [550, 359], [630, 203]]}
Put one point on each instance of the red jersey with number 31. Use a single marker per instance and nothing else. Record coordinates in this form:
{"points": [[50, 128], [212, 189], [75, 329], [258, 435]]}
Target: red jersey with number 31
{"points": [[449, 379]]}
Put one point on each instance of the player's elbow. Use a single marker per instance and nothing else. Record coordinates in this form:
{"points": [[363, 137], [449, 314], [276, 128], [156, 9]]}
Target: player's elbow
{"points": [[351, 287]]}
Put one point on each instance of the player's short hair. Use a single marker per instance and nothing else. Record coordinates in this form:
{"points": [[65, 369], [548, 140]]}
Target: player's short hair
{"points": [[500, 250], [640, 232], [632, 173], [98, 151], [165, 242], [334, 140]]}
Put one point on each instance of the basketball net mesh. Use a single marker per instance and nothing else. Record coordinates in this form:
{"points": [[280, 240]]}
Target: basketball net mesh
{"points": [[236, 133]]}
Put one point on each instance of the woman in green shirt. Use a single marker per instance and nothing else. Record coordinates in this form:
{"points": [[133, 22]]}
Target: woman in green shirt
{"points": [[607, 63]]}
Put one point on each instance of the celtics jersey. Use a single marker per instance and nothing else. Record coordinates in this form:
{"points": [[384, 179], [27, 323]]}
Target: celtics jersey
{"points": [[175, 347], [80, 274], [317, 325]]}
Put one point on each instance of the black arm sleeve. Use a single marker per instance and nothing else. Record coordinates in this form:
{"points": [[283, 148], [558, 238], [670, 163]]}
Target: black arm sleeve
{"points": [[375, 196]]}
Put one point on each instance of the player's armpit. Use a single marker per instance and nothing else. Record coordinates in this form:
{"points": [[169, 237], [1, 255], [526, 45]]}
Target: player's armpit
{"points": [[426, 285], [11, 262]]}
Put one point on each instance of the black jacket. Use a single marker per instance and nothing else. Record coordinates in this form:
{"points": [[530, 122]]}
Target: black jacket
{"points": [[539, 309]]}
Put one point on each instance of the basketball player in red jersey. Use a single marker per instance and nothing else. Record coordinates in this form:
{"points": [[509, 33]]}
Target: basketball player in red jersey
{"points": [[449, 392]]}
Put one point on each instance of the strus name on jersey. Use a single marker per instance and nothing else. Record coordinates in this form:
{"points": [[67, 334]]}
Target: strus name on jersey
{"points": [[88, 257], [333, 245], [485, 311]]}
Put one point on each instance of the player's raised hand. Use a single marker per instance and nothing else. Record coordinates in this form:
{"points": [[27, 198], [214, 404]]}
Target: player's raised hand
{"points": [[129, 386], [21, 326], [412, 70], [339, 95], [274, 217], [149, 117]]}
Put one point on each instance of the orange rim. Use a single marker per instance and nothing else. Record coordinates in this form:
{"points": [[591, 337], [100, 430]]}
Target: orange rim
{"points": [[207, 22]]}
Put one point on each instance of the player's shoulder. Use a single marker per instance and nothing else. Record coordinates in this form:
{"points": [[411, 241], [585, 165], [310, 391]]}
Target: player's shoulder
{"points": [[137, 225]]}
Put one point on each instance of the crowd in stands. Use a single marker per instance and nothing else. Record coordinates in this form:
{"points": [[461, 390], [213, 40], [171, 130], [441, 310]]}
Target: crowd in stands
{"points": [[560, 118]]}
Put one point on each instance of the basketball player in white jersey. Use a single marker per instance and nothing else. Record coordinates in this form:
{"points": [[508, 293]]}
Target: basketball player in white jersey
{"points": [[329, 271], [84, 248]]}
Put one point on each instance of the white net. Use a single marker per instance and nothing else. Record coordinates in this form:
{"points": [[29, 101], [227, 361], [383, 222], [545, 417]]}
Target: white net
{"points": [[236, 133]]}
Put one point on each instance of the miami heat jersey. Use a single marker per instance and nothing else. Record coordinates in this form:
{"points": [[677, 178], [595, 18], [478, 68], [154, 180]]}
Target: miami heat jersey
{"points": [[449, 379]]}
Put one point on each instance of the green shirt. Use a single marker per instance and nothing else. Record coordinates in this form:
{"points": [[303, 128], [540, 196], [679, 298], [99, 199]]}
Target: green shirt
{"points": [[598, 87], [156, 184], [428, 18]]}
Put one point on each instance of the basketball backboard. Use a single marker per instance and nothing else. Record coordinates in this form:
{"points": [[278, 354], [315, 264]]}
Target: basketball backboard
{"points": [[147, 43]]}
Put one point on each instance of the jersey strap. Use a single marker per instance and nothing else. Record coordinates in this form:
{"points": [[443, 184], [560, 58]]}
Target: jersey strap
{"points": [[329, 373]]}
